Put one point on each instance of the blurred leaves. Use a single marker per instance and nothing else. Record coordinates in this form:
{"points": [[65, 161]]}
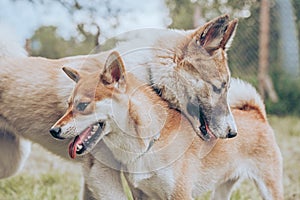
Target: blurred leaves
{"points": [[181, 12], [47, 43]]}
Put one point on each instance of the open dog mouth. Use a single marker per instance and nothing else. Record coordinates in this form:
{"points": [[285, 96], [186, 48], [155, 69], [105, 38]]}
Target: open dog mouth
{"points": [[196, 111], [86, 140], [206, 132]]}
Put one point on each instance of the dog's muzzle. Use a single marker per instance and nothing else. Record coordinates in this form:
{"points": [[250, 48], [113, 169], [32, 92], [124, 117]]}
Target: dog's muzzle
{"points": [[55, 132]]}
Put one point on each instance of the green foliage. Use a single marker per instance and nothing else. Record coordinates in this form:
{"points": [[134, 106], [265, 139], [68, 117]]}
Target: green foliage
{"points": [[109, 44], [46, 43], [296, 4], [181, 12], [289, 94]]}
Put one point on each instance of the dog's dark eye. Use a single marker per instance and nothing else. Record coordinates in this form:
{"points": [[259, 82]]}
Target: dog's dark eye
{"points": [[82, 106]]}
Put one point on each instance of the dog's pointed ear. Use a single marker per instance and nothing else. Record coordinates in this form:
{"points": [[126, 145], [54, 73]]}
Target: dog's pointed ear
{"points": [[71, 73], [215, 34], [229, 34], [114, 70]]}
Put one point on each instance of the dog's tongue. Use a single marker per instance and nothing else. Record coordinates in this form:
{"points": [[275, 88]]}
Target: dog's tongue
{"points": [[78, 140], [72, 147]]}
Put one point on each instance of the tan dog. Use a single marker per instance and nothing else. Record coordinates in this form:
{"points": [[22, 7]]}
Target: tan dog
{"points": [[33, 92], [33, 85], [189, 70], [33, 95], [158, 147]]}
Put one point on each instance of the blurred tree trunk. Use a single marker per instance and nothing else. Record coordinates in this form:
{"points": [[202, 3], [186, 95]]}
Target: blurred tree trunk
{"points": [[288, 36], [265, 82], [197, 16], [198, 19], [28, 47]]}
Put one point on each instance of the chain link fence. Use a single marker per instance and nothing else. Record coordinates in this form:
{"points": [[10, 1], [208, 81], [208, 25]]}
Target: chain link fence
{"points": [[282, 61]]}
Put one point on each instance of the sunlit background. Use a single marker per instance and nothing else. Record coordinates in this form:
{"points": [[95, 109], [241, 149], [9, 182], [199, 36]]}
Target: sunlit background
{"points": [[60, 28], [265, 51]]}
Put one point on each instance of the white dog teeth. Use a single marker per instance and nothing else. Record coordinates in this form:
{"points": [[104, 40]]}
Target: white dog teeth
{"points": [[86, 140], [95, 127], [79, 147]]}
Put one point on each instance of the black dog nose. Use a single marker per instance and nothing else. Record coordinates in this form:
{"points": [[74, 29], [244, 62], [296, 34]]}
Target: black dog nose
{"points": [[55, 132], [231, 134]]}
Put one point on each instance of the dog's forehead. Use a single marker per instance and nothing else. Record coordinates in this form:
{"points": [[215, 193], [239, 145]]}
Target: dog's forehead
{"points": [[91, 89], [217, 67], [85, 89], [211, 74]]}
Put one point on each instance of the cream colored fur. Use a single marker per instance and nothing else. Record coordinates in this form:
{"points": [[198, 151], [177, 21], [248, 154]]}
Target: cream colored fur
{"points": [[33, 95], [178, 165]]}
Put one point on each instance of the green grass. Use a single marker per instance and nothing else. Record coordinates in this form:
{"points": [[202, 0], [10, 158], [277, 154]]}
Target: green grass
{"points": [[46, 177], [48, 186], [287, 131]]}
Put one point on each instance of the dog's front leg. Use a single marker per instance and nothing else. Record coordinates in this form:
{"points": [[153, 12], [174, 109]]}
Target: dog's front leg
{"points": [[14, 150], [102, 178], [87, 194], [107, 186]]}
